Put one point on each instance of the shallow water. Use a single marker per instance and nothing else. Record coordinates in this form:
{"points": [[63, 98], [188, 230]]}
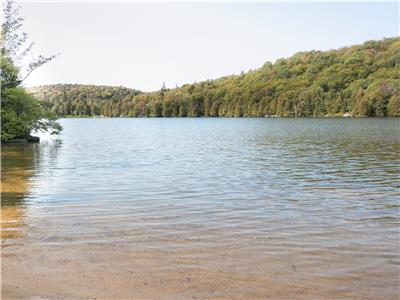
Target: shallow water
{"points": [[204, 209]]}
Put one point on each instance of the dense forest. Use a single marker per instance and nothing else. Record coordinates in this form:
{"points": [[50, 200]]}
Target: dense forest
{"points": [[361, 80], [87, 100]]}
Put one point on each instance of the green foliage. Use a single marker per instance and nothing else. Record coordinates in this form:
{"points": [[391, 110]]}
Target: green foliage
{"points": [[362, 80], [21, 113], [8, 72], [90, 100], [394, 106]]}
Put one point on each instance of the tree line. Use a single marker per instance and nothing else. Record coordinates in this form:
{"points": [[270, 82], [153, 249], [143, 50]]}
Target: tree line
{"points": [[361, 80]]}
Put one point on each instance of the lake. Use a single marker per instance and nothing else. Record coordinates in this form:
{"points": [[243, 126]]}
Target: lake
{"points": [[204, 208]]}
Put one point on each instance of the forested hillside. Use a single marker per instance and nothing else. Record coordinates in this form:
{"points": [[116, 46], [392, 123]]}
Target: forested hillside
{"points": [[86, 100], [361, 80]]}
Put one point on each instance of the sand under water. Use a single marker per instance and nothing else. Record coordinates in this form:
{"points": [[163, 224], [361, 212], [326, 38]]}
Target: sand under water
{"points": [[297, 211]]}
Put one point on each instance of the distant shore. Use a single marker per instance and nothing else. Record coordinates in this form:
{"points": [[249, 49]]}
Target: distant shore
{"points": [[223, 117]]}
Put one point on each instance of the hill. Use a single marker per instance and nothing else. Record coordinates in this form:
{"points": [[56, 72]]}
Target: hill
{"points": [[361, 80]]}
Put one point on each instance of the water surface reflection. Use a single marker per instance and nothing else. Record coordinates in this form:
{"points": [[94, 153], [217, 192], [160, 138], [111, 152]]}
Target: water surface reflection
{"points": [[19, 163], [210, 208]]}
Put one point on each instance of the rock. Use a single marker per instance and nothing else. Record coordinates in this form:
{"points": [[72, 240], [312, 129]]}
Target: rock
{"points": [[32, 139]]}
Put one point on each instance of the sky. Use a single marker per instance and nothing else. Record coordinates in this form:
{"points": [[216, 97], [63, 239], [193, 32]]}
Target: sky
{"points": [[142, 45]]}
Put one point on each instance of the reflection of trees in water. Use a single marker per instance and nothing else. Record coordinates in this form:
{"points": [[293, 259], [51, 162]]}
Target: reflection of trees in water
{"points": [[18, 164]]}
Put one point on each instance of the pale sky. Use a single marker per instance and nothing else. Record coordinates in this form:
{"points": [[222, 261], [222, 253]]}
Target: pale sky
{"points": [[141, 45]]}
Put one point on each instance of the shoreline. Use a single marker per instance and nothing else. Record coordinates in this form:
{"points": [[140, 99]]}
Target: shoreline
{"points": [[225, 117], [25, 140]]}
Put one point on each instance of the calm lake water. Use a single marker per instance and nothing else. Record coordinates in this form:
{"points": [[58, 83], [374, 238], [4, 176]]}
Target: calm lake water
{"points": [[204, 209]]}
